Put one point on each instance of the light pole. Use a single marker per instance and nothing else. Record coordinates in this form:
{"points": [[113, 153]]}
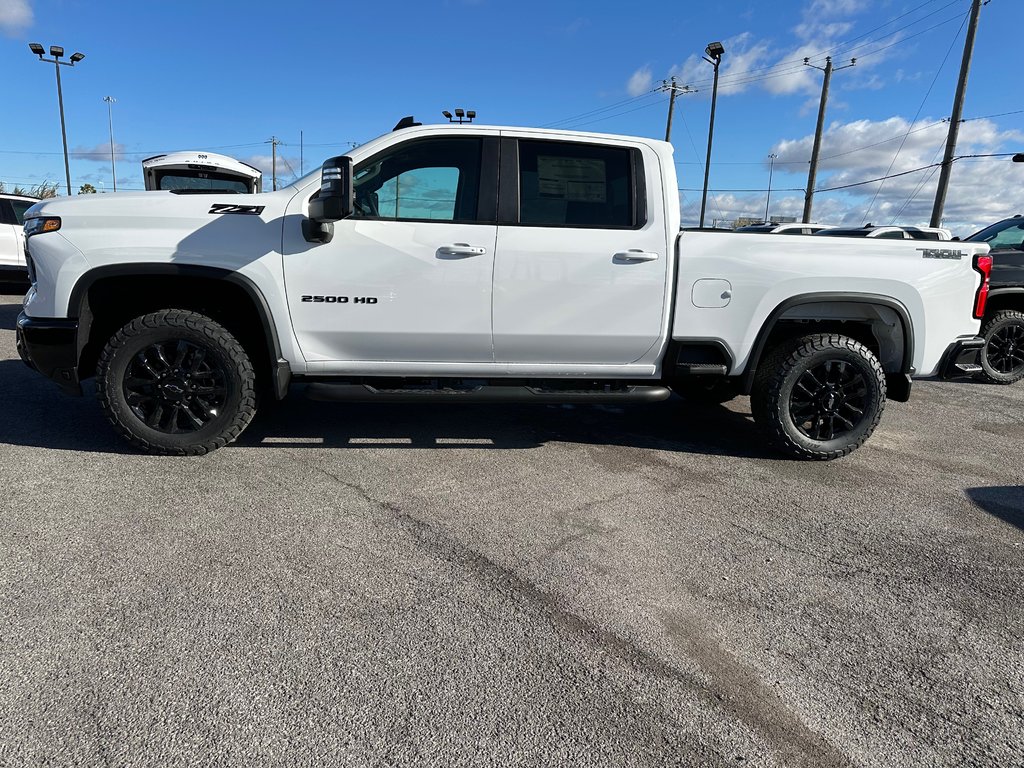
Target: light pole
{"points": [[56, 51], [714, 51], [771, 169], [110, 123]]}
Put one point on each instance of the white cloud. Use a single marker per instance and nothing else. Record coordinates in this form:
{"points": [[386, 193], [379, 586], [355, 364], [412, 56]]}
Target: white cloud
{"points": [[981, 190], [750, 62], [640, 82], [99, 152], [15, 17], [836, 7], [287, 168]]}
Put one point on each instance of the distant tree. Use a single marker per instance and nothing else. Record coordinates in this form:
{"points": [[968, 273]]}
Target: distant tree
{"points": [[87, 189], [42, 190]]}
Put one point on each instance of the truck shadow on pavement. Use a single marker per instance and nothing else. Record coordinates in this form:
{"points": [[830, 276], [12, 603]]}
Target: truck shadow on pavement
{"points": [[1003, 501], [37, 414], [673, 426]]}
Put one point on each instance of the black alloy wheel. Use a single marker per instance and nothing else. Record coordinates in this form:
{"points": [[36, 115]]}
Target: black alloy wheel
{"points": [[176, 382], [829, 400], [819, 396], [174, 386], [1002, 360], [1005, 349]]}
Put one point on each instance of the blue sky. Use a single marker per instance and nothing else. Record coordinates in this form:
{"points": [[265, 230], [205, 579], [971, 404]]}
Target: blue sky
{"points": [[227, 76]]}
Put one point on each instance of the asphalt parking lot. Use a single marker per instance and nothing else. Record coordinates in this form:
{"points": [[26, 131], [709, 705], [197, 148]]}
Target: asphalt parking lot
{"points": [[483, 585]]}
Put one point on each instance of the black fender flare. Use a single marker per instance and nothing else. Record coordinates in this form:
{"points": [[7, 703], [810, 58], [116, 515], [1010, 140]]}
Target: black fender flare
{"points": [[769, 324], [77, 302]]}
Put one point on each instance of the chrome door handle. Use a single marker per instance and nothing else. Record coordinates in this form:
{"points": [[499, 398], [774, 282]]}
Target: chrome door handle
{"points": [[635, 254], [461, 249]]}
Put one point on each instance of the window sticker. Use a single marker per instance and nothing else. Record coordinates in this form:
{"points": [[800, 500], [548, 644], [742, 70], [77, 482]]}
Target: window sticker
{"points": [[576, 179]]}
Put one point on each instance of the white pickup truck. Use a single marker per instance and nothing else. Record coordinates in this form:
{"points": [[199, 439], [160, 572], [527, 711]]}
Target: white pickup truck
{"points": [[473, 263]]}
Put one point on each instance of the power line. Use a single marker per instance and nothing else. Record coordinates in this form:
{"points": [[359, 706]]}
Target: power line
{"points": [[918, 113]]}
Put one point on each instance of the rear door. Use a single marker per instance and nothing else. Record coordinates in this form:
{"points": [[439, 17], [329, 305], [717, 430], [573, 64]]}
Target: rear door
{"points": [[582, 254]]}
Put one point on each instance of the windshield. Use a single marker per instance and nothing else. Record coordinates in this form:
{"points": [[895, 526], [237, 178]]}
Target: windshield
{"points": [[1008, 234]]}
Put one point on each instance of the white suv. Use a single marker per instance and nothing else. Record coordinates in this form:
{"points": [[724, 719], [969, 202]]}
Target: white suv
{"points": [[890, 232], [12, 239]]}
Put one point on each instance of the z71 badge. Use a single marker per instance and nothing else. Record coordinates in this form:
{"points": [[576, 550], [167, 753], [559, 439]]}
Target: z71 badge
{"points": [[253, 210], [941, 253]]}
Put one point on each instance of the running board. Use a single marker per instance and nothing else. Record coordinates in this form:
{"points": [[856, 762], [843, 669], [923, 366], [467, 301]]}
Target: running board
{"points": [[364, 393]]}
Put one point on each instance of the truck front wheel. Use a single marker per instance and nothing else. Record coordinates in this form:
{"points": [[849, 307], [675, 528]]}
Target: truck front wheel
{"points": [[175, 382], [1002, 360], [820, 396]]}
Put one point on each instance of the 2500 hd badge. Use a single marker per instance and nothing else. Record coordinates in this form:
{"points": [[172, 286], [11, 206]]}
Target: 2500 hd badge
{"points": [[340, 299]]}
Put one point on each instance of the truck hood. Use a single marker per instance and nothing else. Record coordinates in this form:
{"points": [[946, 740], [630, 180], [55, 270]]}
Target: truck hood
{"points": [[154, 204], [224, 230]]}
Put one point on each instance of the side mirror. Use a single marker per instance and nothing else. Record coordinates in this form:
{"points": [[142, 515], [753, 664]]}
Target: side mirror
{"points": [[1019, 157], [336, 200]]}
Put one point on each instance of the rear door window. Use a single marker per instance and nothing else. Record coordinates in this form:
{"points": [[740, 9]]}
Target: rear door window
{"points": [[564, 184]]}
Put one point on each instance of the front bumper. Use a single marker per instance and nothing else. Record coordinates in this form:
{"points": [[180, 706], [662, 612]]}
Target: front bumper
{"points": [[50, 346], [962, 359]]}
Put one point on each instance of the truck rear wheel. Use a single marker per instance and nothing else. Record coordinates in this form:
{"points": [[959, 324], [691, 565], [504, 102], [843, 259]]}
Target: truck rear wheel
{"points": [[1002, 360], [175, 382], [819, 397]]}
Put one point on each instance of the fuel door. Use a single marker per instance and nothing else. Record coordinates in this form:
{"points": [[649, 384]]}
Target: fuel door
{"points": [[711, 293]]}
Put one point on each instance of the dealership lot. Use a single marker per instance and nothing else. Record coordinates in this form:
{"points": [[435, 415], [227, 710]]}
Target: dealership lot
{"points": [[511, 585]]}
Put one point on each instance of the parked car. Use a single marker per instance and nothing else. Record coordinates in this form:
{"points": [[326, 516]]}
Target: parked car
{"points": [[1002, 360], [412, 270], [12, 238], [890, 232], [790, 228]]}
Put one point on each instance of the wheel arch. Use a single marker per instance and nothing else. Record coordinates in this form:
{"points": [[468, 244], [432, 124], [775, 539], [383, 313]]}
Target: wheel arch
{"points": [[1004, 298], [228, 297], [869, 315]]}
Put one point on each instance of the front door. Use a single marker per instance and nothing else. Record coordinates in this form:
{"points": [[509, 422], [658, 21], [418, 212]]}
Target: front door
{"points": [[407, 278]]}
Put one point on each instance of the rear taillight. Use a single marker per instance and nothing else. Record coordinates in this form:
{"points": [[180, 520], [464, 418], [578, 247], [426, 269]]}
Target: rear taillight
{"points": [[983, 264]]}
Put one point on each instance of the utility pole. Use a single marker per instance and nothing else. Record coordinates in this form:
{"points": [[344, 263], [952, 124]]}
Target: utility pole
{"points": [[110, 124], [828, 69], [274, 141], [673, 89], [771, 170], [955, 119]]}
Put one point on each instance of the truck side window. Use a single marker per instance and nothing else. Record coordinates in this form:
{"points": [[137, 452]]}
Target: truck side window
{"points": [[575, 185], [426, 180]]}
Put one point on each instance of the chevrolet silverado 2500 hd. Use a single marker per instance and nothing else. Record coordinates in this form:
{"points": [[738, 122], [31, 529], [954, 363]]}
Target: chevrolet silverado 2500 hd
{"points": [[467, 263]]}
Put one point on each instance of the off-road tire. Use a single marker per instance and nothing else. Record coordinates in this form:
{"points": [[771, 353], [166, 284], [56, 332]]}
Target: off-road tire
{"points": [[782, 396], [707, 390], [217, 358], [1002, 359]]}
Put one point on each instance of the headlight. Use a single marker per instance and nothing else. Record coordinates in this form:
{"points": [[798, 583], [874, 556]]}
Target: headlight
{"points": [[36, 225]]}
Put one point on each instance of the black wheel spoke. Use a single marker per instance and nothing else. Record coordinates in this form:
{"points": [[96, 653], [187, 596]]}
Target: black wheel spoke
{"points": [[175, 386], [829, 399]]}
